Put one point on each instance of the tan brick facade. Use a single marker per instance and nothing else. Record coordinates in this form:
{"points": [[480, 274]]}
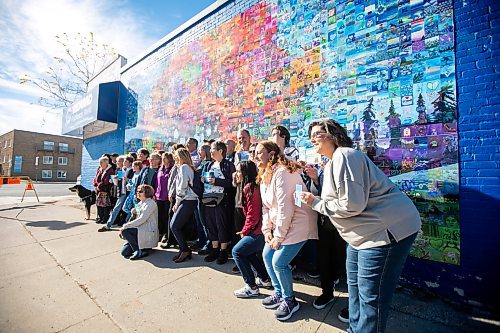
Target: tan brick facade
{"points": [[63, 156]]}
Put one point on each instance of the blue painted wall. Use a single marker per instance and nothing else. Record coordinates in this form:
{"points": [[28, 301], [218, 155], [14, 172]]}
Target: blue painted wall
{"points": [[111, 142], [475, 280]]}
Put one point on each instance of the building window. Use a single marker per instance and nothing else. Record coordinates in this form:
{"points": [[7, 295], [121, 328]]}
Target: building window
{"points": [[61, 174], [4, 158], [62, 160], [46, 174], [48, 145], [5, 144], [63, 147], [10, 143], [48, 160]]}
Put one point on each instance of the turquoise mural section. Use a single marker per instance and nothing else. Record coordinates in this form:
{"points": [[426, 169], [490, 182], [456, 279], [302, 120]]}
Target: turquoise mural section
{"points": [[384, 69]]}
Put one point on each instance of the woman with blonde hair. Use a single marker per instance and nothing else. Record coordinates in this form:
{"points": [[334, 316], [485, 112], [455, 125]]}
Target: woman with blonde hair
{"points": [[185, 201], [285, 225]]}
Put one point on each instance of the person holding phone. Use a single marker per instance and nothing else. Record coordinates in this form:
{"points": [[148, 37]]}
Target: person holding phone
{"points": [[374, 217], [286, 227]]}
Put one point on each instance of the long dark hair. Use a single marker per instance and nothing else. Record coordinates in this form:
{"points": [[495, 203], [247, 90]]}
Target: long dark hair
{"points": [[249, 176], [336, 132]]}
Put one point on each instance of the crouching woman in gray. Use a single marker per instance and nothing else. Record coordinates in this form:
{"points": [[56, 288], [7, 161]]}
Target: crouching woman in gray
{"points": [[141, 232], [378, 221]]}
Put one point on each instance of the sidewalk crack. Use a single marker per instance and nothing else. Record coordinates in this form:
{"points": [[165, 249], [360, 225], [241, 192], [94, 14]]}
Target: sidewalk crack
{"points": [[83, 287]]}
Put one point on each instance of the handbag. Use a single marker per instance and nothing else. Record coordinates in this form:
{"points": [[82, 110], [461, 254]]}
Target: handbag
{"points": [[212, 199], [102, 200]]}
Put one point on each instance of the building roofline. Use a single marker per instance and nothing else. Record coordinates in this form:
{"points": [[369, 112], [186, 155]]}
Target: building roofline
{"points": [[39, 133], [118, 56], [174, 34]]}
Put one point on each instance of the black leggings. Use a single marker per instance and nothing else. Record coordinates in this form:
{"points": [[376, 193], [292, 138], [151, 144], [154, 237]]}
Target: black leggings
{"points": [[331, 254], [218, 226], [182, 216], [163, 216]]}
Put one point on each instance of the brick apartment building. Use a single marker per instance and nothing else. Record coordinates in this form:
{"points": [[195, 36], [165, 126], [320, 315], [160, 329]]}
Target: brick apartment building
{"points": [[59, 157]]}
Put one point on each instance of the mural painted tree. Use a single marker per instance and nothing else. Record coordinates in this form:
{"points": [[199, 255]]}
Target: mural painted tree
{"points": [[368, 119], [394, 124], [445, 106], [422, 114]]}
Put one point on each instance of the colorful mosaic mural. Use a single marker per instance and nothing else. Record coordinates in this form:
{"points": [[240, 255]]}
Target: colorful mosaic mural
{"points": [[385, 69]]}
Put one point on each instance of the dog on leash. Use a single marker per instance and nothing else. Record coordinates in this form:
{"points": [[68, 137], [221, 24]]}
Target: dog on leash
{"points": [[86, 196]]}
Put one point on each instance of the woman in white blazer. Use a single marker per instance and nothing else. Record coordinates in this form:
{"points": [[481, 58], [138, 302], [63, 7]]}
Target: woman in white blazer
{"points": [[141, 232]]}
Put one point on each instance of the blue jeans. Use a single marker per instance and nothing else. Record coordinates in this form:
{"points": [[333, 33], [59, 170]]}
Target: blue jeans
{"points": [[132, 244], [277, 265], [116, 210], [372, 275], [245, 255], [181, 217]]}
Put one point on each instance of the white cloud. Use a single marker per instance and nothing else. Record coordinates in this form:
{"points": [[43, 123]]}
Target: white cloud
{"points": [[28, 43], [18, 114], [22, 89]]}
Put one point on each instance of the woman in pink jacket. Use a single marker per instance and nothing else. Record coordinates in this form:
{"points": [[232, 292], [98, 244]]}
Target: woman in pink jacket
{"points": [[286, 227]]}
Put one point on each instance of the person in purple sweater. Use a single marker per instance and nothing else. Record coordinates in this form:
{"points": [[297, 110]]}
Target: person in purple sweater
{"points": [[161, 193]]}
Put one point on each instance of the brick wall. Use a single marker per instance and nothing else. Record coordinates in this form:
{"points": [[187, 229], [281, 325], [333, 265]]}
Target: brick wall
{"points": [[93, 149], [29, 145], [111, 142], [477, 50]]}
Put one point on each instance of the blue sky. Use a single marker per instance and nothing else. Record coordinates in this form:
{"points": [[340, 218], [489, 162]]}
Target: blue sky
{"points": [[28, 29]]}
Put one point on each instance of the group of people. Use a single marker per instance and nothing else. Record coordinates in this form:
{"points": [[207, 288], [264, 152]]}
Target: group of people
{"points": [[261, 205]]}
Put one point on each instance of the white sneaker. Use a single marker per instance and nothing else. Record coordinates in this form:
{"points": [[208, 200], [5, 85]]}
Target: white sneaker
{"points": [[246, 292], [263, 284]]}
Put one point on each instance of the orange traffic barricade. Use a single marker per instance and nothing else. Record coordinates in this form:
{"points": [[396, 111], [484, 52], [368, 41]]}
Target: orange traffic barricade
{"points": [[5, 180]]}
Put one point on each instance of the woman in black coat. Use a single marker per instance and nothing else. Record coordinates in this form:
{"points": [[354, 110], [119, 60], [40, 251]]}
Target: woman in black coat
{"points": [[218, 199]]}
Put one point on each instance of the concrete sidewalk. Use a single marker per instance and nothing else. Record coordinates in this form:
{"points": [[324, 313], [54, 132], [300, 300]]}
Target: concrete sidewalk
{"points": [[59, 274]]}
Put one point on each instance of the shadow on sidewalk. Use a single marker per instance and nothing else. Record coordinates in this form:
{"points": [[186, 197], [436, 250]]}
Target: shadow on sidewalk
{"points": [[54, 225], [163, 259], [21, 207]]}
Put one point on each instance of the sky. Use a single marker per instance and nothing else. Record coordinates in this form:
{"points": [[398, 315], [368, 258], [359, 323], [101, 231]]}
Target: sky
{"points": [[28, 44]]}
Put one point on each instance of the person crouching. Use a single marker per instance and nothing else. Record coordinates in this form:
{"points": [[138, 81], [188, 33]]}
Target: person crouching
{"points": [[141, 233]]}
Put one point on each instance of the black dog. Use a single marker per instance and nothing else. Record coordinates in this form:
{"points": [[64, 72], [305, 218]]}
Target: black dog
{"points": [[88, 197]]}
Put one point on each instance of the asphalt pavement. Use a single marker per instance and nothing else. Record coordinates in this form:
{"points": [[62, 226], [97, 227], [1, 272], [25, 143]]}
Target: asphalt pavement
{"points": [[12, 194]]}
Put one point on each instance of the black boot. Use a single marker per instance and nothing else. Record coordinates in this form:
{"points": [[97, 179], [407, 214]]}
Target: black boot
{"points": [[212, 255], [222, 259]]}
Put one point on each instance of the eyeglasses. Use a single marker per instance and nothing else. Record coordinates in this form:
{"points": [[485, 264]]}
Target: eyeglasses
{"points": [[252, 151], [317, 135]]}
